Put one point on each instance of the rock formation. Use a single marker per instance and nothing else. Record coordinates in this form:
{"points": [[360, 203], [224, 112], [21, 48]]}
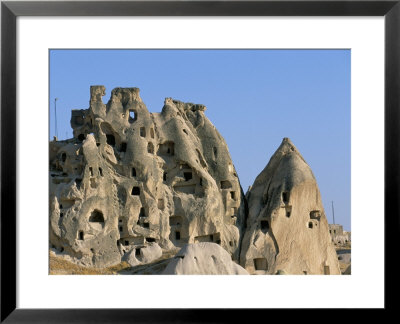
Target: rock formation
{"points": [[287, 230], [136, 186], [203, 258], [131, 183]]}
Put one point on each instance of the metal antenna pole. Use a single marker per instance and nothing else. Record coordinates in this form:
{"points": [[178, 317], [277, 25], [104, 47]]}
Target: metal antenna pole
{"points": [[333, 213], [55, 115]]}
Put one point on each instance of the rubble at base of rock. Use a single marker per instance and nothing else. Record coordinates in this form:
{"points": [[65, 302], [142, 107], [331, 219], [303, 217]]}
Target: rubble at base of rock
{"points": [[133, 185]]}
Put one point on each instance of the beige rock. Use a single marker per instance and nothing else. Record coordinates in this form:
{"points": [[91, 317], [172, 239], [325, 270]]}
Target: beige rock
{"points": [[129, 178], [203, 259], [287, 231]]}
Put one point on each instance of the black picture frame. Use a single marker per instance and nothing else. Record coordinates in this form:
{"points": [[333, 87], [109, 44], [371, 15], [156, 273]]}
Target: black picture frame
{"points": [[10, 10]]}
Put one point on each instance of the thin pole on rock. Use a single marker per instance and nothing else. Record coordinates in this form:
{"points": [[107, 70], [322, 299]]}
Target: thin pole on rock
{"points": [[55, 115], [333, 213]]}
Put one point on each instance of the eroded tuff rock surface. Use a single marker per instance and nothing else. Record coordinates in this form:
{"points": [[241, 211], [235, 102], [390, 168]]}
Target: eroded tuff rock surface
{"points": [[203, 259], [287, 230], [131, 183]]}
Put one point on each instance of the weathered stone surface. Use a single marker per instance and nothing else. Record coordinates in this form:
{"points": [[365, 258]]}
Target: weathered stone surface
{"points": [[143, 255], [287, 230], [203, 259], [129, 178]]}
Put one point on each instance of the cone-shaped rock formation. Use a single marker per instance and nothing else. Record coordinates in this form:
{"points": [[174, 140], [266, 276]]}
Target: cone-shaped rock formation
{"points": [[287, 230]]}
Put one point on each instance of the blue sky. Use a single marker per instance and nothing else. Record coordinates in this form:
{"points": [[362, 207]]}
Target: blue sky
{"points": [[253, 97]]}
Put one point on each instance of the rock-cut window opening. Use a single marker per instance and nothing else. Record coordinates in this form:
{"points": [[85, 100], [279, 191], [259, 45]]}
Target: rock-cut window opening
{"points": [[188, 176], [215, 151], [135, 191], [233, 195], [101, 172], [96, 217], [63, 157], [81, 236], [225, 184], [142, 212], [150, 148], [81, 137], [133, 172], [261, 264], [285, 197], [110, 139], [132, 116], [142, 132], [123, 147], [264, 224], [310, 225], [177, 235]]}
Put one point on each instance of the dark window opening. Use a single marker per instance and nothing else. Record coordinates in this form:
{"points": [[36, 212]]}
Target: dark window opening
{"points": [[287, 213], [63, 157], [101, 172], [61, 206], [81, 137], [142, 212], [146, 225], [120, 220], [137, 252], [225, 184], [133, 173], [150, 239], [188, 176], [120, 228], [201, 182], [132, 116], [285, 197], [165, 176], [142, 131], [310, 225], [177, 235], [264, 225], [150, 148], [184, 130], [96, 217], [62, 249], [92, 250], [123, 147], [230, 243], [81, 235], [61, 214], [110, 139], [97, 144], [136, 191], [233, 195], [126, 243], [261, 264], [215, 152], [78, 183], [218, 242]]}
